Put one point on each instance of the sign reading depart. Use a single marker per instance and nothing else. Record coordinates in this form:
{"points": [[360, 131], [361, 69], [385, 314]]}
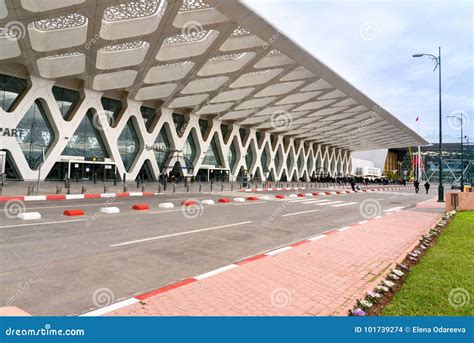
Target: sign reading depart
{"points": [[5, 131]]}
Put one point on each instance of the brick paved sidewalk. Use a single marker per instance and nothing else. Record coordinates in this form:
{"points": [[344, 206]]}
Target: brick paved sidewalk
{"points": [[321, 277]]}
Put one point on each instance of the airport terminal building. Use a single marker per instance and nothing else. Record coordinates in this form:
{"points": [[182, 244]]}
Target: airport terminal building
{"points": [[194, 87]]}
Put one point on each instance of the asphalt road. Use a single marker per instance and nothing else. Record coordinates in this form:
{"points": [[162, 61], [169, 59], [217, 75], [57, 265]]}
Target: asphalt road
{"points": [[61, 265]]}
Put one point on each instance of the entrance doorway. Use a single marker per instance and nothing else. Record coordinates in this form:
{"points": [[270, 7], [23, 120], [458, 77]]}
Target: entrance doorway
{"points": [[85, 171]]}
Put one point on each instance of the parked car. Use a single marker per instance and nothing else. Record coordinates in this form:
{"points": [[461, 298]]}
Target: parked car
{"points": [[457, 184]]}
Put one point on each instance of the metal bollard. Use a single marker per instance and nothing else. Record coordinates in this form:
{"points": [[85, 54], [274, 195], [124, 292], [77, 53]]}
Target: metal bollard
{"points": [[159, 187], [211, 186], [1, 189], [187, 188], [84, 189], [174, 187], [106, 188], [59, 189], [200, 187], [222, 187], [231, 186], [138, 182], [143, 187], [125, 187]]}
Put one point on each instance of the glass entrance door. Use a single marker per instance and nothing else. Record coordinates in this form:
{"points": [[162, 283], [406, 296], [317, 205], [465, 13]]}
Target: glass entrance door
{"points": [[86, 171]]}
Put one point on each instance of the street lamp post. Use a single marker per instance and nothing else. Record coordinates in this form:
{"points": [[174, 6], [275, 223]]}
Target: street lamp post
{"points": [[438, 65], [462, 152]]}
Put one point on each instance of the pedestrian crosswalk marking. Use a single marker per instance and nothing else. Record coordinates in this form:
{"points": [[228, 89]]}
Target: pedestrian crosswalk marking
{"points": [[345, 204]]}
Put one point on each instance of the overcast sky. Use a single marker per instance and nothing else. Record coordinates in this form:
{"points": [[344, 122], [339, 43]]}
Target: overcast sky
{"points": [[370, 44]]}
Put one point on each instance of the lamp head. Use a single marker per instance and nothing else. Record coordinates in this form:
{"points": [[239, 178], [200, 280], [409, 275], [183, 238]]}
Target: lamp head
{"points": [[417, 55]]}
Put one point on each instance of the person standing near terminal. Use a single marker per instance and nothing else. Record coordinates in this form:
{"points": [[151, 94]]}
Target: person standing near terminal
{"points": [[417, 186], [427, 187]]}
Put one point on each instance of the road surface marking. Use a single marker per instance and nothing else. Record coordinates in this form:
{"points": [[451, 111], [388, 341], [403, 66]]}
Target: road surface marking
{"points": [[296, 213], [299, 200], [394, 209], [179, 234], [61, 206], [329, 203], [251, 203], [44, 223], [215, 272], [315, 201], [345, 204]]}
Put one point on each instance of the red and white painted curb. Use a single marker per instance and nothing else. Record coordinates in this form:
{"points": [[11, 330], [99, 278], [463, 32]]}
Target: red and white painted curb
{"points": [[343, 189], [75, 196], [181, 283]]}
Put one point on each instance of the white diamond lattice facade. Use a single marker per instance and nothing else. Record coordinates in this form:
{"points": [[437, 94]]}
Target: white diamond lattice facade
{"points": [[147, 87]]}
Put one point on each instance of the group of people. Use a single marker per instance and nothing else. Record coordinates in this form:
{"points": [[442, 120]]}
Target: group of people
{"points": [[417, 186]]}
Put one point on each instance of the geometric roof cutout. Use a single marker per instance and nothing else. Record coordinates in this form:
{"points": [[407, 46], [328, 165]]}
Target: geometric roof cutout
{"points": [[204, 85], [186, 44], [298, 97], [236, 94], [186, 101], [279, 88], [168, 72], [273, 59], [155, 92], [317, 85], [61, 65], [118, 79], [121, 55], [226, 63], [255, 103], [297, 74], [255, 78]]}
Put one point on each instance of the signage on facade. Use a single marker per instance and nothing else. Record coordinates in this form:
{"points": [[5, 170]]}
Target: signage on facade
{"points": [[9, 132]]}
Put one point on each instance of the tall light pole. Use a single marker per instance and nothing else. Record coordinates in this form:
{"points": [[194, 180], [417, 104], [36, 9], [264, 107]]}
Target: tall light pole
{"points": [[437, 60], [462, 156]]}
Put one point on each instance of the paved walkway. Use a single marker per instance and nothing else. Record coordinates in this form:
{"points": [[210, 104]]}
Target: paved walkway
{"points": [[320, 277]]}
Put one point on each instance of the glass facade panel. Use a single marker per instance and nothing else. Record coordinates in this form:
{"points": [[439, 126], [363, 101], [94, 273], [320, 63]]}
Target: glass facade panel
{"points": [[148, 114], [277, 161], [112, 109], [66, 100], [264, 161], [249, 157], [162, 142], [178, 120], [87, 141], [203, 125], [242, 134], [189, 151], [34, 135], [10, 89], [224, 129], [232, 156], [212, 156], [128, 145]]}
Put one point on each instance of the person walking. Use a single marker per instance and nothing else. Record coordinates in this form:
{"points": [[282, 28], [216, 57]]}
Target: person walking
{"points": [[417, 186], [427, 187]]}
